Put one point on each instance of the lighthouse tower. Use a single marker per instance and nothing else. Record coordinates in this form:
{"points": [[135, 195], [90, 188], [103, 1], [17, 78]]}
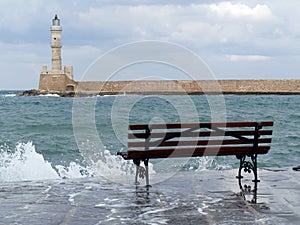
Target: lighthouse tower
{"points": [[56, 44], [58, 79]]}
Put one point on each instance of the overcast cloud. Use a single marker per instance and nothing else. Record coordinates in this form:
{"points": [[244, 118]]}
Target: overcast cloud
{"points": [[237, 39]]}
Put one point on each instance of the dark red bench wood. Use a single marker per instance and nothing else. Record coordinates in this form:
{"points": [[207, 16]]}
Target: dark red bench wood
{"points": [[242, 139]]}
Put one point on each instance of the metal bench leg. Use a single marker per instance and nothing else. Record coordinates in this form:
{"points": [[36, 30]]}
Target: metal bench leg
{"points": [[248, 167], [136, 176], [141, 172], [137, 163], [147, 172]]}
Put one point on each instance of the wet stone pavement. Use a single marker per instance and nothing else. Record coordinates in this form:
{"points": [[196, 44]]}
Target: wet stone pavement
{"points": [[204, 197]]}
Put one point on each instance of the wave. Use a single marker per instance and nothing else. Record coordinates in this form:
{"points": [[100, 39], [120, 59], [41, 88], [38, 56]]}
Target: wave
{"points": [[49, 95], [10, 95], [25, 164]]}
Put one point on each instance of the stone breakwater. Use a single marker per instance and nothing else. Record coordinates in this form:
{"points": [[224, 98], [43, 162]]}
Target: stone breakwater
{"points": [[173, 87]]}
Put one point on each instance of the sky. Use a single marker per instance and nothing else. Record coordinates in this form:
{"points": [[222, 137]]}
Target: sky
{"points": [[237, 39]]}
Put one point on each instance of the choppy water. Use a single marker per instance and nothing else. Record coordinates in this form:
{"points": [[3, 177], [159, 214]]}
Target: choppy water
{"points": [[37, 140]]}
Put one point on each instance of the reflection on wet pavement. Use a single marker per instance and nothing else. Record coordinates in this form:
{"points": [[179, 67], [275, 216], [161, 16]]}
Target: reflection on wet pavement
{"points": [[204, 197]]}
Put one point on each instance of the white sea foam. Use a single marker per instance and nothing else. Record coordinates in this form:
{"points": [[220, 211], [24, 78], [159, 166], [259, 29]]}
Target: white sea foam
{"points": [[24, 163], [115, 168], [10, 95], [200, 210], [50, 95], [109, 166], [74, 170]]}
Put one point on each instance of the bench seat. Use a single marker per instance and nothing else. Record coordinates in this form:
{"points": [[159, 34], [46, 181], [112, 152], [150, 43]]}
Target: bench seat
{"points": [[192, 152]]}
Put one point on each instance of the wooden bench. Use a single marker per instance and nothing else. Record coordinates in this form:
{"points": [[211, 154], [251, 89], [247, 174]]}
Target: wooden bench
{"points": [[245, 140]]}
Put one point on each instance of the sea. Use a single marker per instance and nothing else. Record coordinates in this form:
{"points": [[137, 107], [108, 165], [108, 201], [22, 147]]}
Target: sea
{"points": [[47, 137]]}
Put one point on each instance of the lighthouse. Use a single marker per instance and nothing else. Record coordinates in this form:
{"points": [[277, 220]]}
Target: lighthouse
{"points": [[56, 43], [59, 78]]}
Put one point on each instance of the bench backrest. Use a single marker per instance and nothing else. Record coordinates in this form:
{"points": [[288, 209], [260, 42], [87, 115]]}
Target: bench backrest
{"points": [[198, 139]]}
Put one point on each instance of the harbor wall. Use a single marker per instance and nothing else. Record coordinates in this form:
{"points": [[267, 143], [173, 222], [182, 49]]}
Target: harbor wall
{"points": [[62, 83], [191, 87]]}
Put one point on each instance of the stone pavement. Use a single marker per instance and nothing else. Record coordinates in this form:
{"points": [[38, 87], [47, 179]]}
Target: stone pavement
{"points": [[204, 197]]}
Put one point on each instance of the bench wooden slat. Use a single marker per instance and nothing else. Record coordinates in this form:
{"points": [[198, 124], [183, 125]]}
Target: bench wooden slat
{"points": [[193, 152], [200, 125], [197, 134], [196, 142]]}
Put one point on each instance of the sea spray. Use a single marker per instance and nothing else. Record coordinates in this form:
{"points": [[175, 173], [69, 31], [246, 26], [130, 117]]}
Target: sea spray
{"points": [[115, 169], [74, 170], [107, 165], [24, 163], [210, 163]]}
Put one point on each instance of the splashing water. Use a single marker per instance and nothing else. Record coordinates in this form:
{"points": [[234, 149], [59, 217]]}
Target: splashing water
{"points": [[106, 165], [74, 170], [24, 163]]}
